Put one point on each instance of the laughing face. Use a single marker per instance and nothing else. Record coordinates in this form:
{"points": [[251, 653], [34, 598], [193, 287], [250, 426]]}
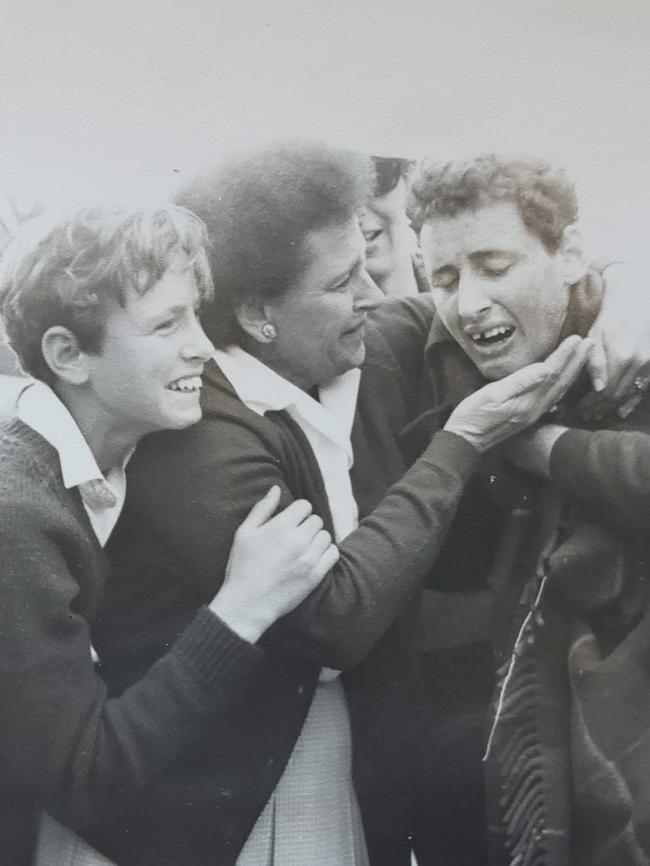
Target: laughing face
{"points": [[147, 374], [384, 226], [499, 292]]}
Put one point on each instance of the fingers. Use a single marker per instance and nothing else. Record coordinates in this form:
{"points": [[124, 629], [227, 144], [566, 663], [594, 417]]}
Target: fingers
{"points": [[327, 561], [293, 515], [624, 387], [568, 373], [561, 356], [309, 529], [628, 406], [522, 381], [561, 367], [262, 510], [597, 366]]}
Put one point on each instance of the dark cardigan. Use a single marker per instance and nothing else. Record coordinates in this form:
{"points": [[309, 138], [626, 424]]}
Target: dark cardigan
{"points": [[64, 745], [568, 766], [187, 494]]}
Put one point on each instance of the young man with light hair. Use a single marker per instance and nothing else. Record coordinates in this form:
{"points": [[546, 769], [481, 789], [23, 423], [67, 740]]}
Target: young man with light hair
{"points": [[102, 310]]}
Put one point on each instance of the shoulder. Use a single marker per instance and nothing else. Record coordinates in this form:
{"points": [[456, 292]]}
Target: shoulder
{"points": [[29, 466], [400, 319], [396, 334]]}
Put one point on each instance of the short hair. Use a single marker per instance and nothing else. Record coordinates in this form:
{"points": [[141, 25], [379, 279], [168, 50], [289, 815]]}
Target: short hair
{"points": [[389, 171], [258, 209], [544, 196], [63, 270]]}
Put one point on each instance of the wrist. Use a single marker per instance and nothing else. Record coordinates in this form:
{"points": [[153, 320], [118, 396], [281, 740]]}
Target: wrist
{"points": [[238, 617], [532, 450]]}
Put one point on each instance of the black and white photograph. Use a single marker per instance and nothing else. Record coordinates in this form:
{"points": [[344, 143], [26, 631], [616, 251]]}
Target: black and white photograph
{"points": [[325, 433]]}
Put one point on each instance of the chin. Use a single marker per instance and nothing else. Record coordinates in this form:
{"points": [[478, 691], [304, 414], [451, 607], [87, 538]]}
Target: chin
{"points": [[496, 369], [358, 359]]}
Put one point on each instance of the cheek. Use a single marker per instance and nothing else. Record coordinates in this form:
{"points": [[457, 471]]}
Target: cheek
{"points": [[447, 308]]}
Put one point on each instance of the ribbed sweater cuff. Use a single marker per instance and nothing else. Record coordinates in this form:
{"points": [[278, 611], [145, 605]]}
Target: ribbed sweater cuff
{"points": [[215, 653], [453, 453]]}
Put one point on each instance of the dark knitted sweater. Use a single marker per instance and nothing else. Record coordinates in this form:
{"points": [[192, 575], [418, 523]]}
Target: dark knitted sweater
{"points": [[65, 745], [569, 761], [187, 494]]}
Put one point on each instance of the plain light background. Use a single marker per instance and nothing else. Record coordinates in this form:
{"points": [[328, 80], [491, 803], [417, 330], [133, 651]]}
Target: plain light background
{"points": [[121, 98]]}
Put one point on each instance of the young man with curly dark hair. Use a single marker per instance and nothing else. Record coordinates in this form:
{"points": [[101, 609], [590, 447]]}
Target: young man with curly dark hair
{"points": [[553, 527]]}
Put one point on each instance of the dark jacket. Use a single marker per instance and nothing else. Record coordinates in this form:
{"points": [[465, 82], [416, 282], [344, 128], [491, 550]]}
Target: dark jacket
{"points": [[187, 494], [568, 570]]}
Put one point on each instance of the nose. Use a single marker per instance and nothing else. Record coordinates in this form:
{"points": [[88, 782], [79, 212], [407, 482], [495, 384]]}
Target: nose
{"points": [[473, 297], [197, 346], [368, 219], [367, 294]]}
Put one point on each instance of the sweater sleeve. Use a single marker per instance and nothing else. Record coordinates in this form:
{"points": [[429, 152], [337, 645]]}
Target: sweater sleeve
{"points": [[79, 753], [220, 469], [608, 473]]}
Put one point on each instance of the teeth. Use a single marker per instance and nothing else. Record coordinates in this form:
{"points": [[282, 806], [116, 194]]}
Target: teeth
{"points": [[492, 333], [186, 384]]}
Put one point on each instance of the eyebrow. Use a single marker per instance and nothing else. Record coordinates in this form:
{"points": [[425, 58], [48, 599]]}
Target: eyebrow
{"points": [[174, 310], [494, 251]]}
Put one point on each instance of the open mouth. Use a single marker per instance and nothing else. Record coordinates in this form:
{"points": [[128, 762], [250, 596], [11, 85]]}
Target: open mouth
{"points": [[186, 385], [492, 336]]}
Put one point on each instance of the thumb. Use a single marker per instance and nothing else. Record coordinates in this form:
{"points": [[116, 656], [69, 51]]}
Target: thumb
{"points": [[524, 380], [263, 510]]}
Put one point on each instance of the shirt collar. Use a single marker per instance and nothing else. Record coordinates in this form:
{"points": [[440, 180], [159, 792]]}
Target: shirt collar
{"points": [[264, 390], [40, 408]]}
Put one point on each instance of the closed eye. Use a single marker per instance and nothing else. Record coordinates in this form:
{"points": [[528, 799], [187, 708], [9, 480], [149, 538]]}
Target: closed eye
{"points": [[342, 284], [165, 325], [492, 271], [445, 278]]}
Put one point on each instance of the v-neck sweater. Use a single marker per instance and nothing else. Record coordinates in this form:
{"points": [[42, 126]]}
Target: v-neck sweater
{"points": [[65, 746]]}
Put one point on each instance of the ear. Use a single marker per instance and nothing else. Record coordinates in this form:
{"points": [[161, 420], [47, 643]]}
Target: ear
{"points": [[63, 356], [254, 318], [572, 256]]}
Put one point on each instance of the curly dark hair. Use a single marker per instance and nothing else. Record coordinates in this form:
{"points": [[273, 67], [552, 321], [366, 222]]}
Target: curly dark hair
{"points": [[62, 270], [258, 208], [544, 196]]}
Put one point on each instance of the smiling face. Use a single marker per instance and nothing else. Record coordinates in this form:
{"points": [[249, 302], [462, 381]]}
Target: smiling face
{"points": [[384, 226], [146, 375], [499, 292], [320, 319]]}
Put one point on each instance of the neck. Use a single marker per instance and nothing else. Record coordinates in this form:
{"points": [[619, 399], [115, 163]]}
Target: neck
{"points": [[109, 443], [265, 353]]}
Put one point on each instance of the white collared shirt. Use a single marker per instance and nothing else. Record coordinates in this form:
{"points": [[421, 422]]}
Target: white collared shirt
{"points": [[103, 496], [327, 423]]}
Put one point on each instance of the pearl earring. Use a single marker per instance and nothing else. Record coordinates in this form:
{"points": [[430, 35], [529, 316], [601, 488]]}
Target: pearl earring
{"points": [[268, 332]]}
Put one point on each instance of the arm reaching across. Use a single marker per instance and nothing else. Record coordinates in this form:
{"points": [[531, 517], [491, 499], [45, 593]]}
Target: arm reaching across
{"points": [[226, 462], [274, 564]]}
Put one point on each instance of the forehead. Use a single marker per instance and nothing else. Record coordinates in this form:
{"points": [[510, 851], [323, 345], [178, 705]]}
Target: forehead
{"points": [[331, 251], [495, 227], [392, 203], [176, 286]]}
